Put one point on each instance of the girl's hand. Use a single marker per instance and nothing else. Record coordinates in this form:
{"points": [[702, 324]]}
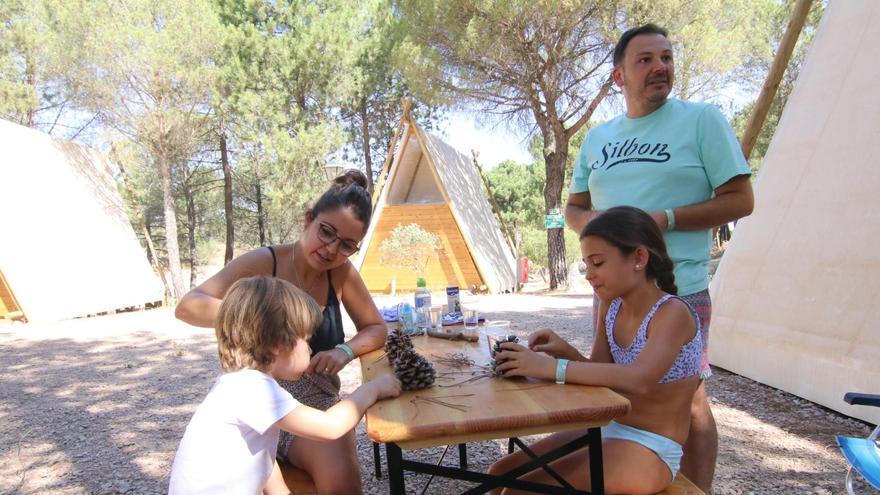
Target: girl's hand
{"points": [[548, 342], [386, 386], [520, 361], [327, 362]]}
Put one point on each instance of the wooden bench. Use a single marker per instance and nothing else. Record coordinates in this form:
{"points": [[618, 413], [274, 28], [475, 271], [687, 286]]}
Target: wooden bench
{"points": [[298, 481], [681, 486]]}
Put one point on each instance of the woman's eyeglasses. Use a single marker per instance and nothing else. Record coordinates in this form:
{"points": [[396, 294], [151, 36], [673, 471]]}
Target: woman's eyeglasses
{"points": [[327, 234]]}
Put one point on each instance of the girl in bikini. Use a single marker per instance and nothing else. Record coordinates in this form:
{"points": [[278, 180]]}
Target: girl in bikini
{"points": [[647, 348]]}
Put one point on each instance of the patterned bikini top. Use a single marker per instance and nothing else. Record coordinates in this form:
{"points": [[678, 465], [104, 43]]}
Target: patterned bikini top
{"points": [[686, 364]]}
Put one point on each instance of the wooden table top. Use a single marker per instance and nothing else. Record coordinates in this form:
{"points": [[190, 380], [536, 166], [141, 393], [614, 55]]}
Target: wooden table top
{"points": [[487, 408]]}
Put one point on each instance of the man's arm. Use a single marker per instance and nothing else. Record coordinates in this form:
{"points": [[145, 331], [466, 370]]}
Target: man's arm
{"points": [[733, 200], [579, 212]]}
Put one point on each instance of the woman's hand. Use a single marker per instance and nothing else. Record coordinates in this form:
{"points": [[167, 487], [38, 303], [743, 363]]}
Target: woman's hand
{"points": [[520, 361], [548, 342], [327, 362]]}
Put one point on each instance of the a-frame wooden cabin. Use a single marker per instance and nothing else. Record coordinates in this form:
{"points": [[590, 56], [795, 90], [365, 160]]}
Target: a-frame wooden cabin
{"points": [[427, 182]]}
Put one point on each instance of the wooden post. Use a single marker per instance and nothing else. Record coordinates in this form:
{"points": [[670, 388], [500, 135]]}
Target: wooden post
{"points": [[777, 69]]}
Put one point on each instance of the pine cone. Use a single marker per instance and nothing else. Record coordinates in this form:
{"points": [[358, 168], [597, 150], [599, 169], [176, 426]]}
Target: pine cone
{"points": [[414, 371], [396, 343], [497, 348]]}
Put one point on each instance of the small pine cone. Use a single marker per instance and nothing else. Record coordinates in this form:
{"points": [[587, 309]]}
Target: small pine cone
{"points": [[396, 343], [414, 371]]}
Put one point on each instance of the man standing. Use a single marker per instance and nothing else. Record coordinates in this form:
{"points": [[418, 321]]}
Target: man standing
{"points": [[681, 162]]}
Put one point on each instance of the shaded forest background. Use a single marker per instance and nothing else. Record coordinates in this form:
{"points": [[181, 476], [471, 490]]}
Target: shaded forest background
{"points": [[222, 114]]}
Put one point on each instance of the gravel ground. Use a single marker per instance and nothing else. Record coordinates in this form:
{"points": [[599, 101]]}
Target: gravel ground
{"points": [[98, 406]]}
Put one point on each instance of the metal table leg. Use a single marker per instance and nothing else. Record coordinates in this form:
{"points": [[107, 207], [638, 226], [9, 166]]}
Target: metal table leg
{"points": [[394, 456], [597, 473], [377, 461]]}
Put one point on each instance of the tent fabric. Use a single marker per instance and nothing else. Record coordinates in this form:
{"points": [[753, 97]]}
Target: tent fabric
{"points": [[797, 295], [67, 248], [427, 171]]}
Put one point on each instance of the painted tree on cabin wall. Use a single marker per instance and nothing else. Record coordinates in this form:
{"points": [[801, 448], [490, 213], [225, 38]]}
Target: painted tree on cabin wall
{"points": [[546, 64]]}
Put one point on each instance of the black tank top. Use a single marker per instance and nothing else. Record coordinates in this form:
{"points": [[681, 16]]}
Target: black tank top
{"points": [[329, 332]]}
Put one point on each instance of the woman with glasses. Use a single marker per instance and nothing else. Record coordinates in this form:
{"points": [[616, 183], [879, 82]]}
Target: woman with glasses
{"points": [[318, 264]]}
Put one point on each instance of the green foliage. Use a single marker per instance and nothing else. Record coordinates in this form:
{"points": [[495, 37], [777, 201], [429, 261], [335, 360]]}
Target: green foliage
{"points": [[409, 247], [33, 67], [713, 40], [534, 247], [518, 191], [759, 66], [289, 84]]}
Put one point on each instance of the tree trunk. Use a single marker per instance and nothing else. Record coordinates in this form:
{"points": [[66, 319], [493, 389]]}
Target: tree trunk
{"points": [[227, 196], [365, 142], [171, 245], [261, 224], [152, 257], [31, 78], [191, 230], [555, 156]]}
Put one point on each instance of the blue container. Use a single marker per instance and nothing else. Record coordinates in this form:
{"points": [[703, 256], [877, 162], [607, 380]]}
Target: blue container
{"points": [[406, 318]]}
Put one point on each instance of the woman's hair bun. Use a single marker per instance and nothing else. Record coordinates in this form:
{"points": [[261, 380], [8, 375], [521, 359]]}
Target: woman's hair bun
{"points": [[349, 177]]}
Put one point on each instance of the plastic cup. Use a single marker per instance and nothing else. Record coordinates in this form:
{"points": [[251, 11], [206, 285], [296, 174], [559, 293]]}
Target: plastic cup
{"points": [[471, 319], [435, 318]]}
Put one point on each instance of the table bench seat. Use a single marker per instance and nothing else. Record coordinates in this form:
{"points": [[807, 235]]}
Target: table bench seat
{"points": [[681, 486]]}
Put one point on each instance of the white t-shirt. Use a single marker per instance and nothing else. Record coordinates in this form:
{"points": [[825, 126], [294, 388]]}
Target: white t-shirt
{"points": [[229, 444]]}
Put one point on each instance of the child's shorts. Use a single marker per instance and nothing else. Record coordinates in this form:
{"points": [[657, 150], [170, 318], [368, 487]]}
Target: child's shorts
{"points": [[667, 449]]}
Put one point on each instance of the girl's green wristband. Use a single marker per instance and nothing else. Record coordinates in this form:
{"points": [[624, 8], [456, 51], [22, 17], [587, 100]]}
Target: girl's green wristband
{"points": [[346, 349], [561, 366]]}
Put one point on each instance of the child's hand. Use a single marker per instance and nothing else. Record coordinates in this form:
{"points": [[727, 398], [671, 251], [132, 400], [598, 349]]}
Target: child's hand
{"points": [[548, 342], [386, 386], [517, 360], [327, 362]]}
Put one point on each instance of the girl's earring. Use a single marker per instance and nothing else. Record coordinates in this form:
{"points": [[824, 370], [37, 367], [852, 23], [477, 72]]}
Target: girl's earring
{"points": [[638, 267]]}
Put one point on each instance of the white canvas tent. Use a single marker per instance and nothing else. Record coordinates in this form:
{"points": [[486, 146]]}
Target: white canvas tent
{"points": [[67, 248], [435, 186], [797, 295]]}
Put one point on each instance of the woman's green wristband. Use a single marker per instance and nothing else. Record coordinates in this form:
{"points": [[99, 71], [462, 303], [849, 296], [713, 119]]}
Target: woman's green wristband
{"points": [[346, 349], [670, 219], [561, 366]]}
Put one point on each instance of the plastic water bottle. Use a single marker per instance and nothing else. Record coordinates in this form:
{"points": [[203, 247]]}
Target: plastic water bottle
{"points": [[422, 305]]}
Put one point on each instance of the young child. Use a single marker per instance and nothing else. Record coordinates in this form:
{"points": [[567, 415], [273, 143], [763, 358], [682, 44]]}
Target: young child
{"points": [[229, 446], [646, 347]]}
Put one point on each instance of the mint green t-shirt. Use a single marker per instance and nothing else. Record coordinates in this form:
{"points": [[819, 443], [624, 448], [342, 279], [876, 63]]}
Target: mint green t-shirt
{"points": [[675, 156]]}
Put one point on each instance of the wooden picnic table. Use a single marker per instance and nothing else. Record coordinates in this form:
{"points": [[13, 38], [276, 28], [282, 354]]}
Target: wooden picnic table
{"points": [[483, 409]]}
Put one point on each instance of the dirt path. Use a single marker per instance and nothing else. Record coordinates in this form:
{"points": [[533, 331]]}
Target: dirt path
{"points": [[98, 406]]}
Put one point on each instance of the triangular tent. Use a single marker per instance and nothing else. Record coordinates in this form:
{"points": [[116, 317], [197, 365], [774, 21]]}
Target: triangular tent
{"points": [[797, 295], [431, 184], [67, 248]]}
